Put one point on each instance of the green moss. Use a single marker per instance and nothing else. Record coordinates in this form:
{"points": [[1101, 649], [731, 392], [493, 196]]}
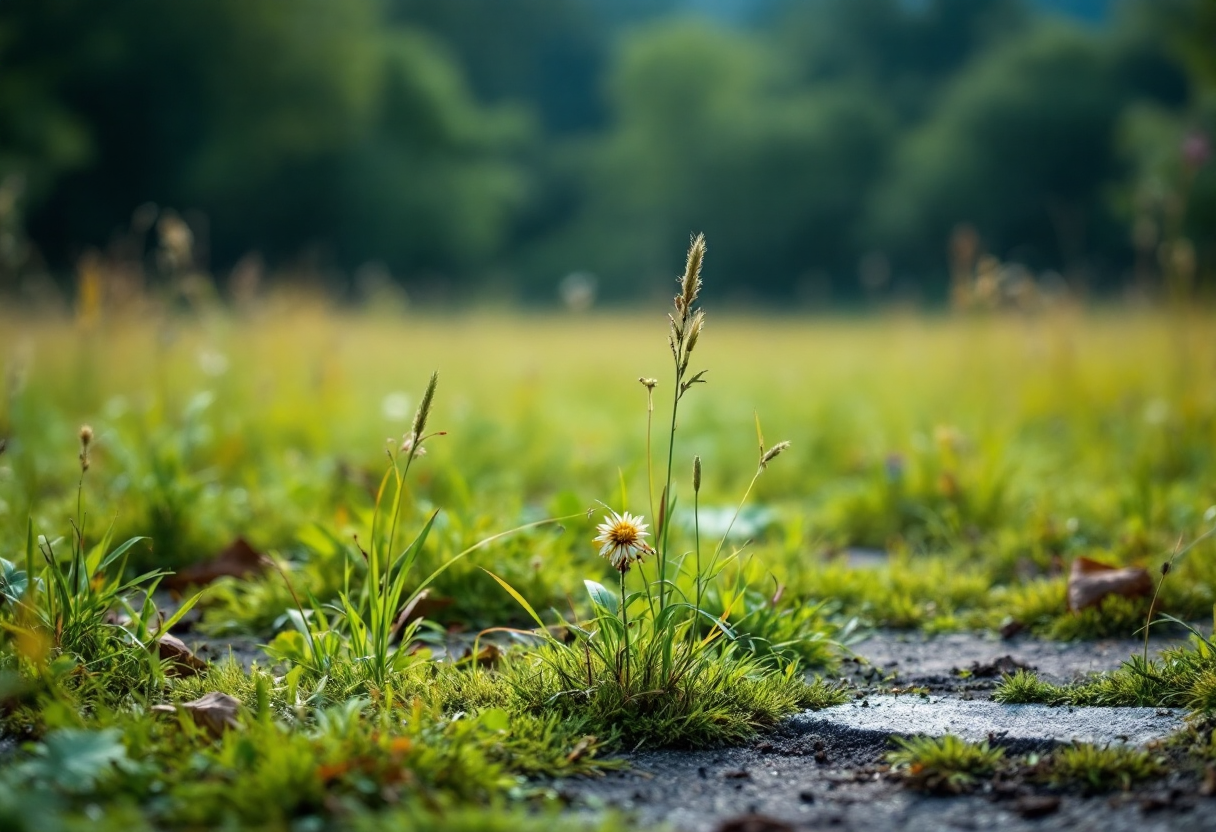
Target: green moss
{"points": [[1098, 768], [945, 764]]}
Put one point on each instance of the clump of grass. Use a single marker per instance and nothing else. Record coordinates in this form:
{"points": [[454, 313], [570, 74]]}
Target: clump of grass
{"points": [[1182, 677], [1025, 688], [701, 699], [943, 765], [1101, 768], [367, 639], [77, 609]]}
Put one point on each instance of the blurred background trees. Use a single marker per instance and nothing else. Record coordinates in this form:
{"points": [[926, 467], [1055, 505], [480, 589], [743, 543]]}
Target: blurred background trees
{"points": [[830, 149]]}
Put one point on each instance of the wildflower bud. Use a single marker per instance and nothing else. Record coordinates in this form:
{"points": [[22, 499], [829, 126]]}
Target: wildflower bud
{"points": [[696, 474], [773, 453], [86, 439]]}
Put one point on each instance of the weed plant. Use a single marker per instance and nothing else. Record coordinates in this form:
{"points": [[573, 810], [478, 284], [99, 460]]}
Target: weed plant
{"points": [[652, 663], [75, 610]]}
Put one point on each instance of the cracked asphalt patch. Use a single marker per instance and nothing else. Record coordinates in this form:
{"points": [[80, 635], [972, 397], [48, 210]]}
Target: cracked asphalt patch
{"points": [[1019, 725], [972, 664], [825, 770]]}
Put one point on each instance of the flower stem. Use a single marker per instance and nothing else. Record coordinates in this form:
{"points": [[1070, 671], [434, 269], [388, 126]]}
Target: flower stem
{"points": [[671, 447], [625, 625], [696, 525]]}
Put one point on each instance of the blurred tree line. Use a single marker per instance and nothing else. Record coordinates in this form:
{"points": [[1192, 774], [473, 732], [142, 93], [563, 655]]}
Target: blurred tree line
{"points": [[828, 148]]}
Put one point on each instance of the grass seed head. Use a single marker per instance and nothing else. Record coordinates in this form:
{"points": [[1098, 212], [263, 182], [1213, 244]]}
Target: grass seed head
{"points": [[772, 453], [696, 474], [694, 330], [86, 440], [690, 283], [424, 411]]}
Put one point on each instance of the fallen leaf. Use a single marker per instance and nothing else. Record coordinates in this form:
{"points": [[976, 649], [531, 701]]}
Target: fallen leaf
{"points": [[421, 607], [487, 656], [238, 560], [172, 649], [214, 711], [1089, 582], [580, 749]]}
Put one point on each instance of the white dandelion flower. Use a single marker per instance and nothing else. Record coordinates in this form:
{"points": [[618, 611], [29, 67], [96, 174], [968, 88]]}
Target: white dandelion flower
{"points": [[622, 539]]}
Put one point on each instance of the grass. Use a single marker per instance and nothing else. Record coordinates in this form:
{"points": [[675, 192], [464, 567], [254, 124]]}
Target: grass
{"points": [[1181, 677], [1102, 768], [945, 764], [952, 765], [978, 456]]}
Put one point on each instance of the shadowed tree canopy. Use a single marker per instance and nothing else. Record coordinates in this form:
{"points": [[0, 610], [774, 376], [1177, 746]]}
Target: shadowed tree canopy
{"points": [[515, 141], [286, 121]]}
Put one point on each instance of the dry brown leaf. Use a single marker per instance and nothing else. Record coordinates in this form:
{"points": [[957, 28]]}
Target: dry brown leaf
{"points": [[174, 650], [580, 749], [1089, 582], [487, 656], [424, 606], [238, 560], [214, 711]]}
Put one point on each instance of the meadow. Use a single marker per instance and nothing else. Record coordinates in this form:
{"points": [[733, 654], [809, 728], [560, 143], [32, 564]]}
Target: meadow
{"points": [[942, 472]]}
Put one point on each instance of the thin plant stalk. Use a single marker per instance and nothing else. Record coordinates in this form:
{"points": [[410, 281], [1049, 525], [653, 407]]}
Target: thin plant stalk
{"points": [[665, 531], [646, 586], [649, 384], [686, 326], [696, 530], [1179, 551], [625, 628]]}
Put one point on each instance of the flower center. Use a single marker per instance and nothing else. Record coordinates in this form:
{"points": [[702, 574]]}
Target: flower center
{"points": [[624, 534]]}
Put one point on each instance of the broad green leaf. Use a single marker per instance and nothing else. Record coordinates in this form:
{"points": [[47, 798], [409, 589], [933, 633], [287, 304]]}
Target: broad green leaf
{"points": [[601, 596]]}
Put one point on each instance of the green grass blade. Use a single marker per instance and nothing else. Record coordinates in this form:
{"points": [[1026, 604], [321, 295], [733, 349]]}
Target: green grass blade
{"points": [[523, 602]]}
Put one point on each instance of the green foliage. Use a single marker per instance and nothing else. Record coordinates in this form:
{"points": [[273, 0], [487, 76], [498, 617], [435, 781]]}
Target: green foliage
{"points": [[1057, 85], [74, 760], [423, 142], [1183, 677], [356, 123], [358, 719], [690, 698], [945, 764], [1102, 768]]}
